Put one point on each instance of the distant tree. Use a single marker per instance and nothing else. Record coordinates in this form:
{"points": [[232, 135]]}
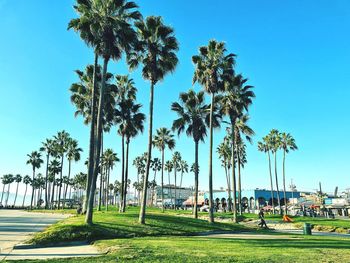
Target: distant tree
{"points": [[34, 159], [17, 179], [48, 146], [176, 167], [26, 181]]}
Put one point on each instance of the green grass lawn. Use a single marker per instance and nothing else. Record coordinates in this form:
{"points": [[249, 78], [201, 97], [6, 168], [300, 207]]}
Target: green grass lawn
{"points": [[199, 249], [112, 224]]}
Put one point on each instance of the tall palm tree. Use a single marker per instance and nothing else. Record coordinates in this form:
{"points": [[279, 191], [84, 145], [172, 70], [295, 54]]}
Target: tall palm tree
{"points": [[287, 144], [157, 47], [73, 154], [115, 36], [193, 114], [236, 100], [168, 166], [176, 167], [163, 139], [241, 129], [274, 141], [17, 179], [62, 140], [48, 147], [26, 180], [212, 68], [34, 159]]}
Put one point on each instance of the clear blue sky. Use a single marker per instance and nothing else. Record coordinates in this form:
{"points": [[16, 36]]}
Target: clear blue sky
{"points": [[296, 54]]}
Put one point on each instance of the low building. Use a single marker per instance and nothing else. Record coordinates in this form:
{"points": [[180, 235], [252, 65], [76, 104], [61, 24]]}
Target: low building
{"points": [[169, 191]]}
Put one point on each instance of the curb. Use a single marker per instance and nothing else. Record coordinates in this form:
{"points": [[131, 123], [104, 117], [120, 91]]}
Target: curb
{"points": [[65, 244]]}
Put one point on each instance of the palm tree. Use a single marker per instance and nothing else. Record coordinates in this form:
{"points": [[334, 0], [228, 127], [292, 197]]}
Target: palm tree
{"points": [[176, 167], [168, 166], [183, 169], [54, 168], [212, 68], [26, 180], [109, 159], [73, 154], [82, 97], [4, 183], [161, 140], [274, 141], [17, 179], [62, 140], [236, 99], [9, 179], [157, 47], [287, 144], [35, 161], [156, 166], [241, 129], [224, 151], [193, 114], [115, 36], [48, 147]]}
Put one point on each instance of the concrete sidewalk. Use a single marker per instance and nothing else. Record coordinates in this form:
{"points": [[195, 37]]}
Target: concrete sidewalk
{"points": [[16, 226]]}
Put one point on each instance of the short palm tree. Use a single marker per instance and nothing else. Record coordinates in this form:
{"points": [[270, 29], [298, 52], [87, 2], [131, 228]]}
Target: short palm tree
{"points": [[241, 129], [73, 154], [176, 167], [157, 47], [17, 179], [62, 140], [274, 142], [168, 166], [4, 183], [9, 179], [212, 67], [263, 146], [34, 159], [224, 151], [193, 113], [54, 169], [287, 144], [48, 147], [109, 160], [26, 180], [163, 139]]}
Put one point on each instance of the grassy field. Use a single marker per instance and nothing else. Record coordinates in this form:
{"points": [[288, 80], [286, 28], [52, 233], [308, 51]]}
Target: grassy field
{"points": [[116, 225], [199, 249]]}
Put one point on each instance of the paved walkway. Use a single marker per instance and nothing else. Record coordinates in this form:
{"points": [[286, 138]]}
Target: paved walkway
{"points": [[16, 226]]}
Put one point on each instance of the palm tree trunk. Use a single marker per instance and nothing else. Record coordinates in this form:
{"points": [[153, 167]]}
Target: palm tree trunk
{"points": [[60, 186], [277, 188], [239, 181], [92, 137], [123, 176], [46, 175], [8, 194], [66, 189], [24, 197], [175, 168], [229, 188], [100, 190], [195, 206], [2, 194], [234, 206], [31, 202], [89, 209], [211, 210], [228, 183], [53, 194], [149, 156], [271, 183], [126, 174], [14, 203], [162, 181], [284, 183], [107, 190]]}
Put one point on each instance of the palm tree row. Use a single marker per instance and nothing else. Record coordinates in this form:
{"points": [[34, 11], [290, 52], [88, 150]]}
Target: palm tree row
{"points": [[271, 144]]}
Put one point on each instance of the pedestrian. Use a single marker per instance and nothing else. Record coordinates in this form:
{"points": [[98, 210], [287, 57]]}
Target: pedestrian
{"points": [[262, 219]]}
